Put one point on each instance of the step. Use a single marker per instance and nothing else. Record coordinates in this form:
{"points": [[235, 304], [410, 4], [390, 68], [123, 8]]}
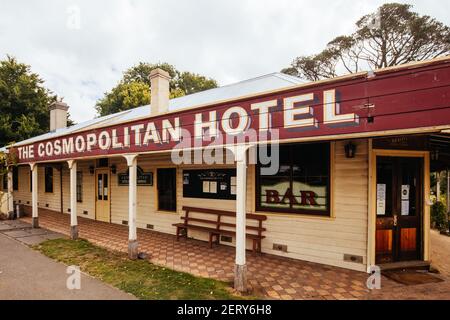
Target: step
{"points": [[416, 264]]}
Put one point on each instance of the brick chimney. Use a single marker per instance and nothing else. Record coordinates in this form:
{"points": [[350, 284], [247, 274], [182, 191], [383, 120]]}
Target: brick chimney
{"points": [[58, 115], [160, 91]]}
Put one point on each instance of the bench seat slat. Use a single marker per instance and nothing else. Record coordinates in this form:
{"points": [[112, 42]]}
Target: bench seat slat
{"points": [[225, 224], [220, 231]]}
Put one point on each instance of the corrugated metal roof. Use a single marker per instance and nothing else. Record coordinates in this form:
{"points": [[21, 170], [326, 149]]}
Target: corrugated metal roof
{"points": [[272, 81]]}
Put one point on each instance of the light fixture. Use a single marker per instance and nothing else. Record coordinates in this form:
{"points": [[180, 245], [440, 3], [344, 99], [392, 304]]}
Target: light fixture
{"points": [[350, 150], [434, 154], [91, 169], [113, 169]]}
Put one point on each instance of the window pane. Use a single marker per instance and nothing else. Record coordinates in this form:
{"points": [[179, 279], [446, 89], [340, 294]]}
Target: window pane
{"points": [[302, 182], [99, 187], [105, 186], [79, 186], [48, 179], [15, 178], [167, 189]]}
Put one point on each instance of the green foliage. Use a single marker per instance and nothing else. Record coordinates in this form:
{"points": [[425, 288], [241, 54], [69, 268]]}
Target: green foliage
{"points": [[24, 102], [391, 36], [139, 277], [134, 88], [123, 97], [439, 216]]}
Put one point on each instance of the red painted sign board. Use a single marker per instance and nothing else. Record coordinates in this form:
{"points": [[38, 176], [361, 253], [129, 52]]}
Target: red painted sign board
{"points": [[391, 100]]}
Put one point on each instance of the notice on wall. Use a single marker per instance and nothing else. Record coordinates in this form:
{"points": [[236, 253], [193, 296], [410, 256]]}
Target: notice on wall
{"points": [[213, 186], [205, 186], [381, 199]]}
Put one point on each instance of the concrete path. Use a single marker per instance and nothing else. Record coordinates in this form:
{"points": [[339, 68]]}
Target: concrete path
{"points": [[27, 274]]}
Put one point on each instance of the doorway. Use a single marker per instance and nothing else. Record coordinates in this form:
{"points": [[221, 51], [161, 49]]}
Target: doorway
{"points": [[102, 202], [167, 189], [399, 209]]}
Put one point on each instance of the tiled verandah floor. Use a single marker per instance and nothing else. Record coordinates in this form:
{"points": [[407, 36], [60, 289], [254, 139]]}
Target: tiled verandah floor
{"points": [[270, 276]]}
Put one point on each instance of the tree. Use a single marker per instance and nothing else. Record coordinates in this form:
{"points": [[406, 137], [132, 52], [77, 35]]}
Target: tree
{"points": [[391, 36], [134, 88], [24, 102]]}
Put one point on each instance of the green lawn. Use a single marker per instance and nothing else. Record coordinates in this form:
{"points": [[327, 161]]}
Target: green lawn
{"points": [[140, 278]]}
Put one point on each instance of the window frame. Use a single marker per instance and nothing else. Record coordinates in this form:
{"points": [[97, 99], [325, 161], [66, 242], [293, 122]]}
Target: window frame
{"points": [[290, 211], [46, 173]]}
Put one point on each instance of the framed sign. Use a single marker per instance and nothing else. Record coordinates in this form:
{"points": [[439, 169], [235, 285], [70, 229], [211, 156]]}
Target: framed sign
{"points": [[211, 184], [143, 178]]}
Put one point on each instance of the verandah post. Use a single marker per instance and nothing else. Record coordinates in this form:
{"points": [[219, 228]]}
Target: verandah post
{"points": [[240, 268], [132, 199], [10, 193], [34, 195], [73, 199]]}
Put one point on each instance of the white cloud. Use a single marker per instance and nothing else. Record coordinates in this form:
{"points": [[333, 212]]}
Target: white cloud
{"points": [[227, 40]]}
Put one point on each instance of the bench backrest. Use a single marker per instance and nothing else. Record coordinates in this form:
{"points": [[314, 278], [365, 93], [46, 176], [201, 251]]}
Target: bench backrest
{"points": [[219, 213]]}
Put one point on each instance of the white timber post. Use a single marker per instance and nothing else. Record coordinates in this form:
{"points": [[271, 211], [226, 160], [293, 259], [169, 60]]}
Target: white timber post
{"points": [[132, 199], [73, 199], [34, 195], [240, 268], [10, 193]]}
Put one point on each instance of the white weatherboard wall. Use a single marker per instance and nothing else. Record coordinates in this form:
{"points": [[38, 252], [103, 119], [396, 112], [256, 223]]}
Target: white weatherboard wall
{"points": [[311, 238], [326, 239]]}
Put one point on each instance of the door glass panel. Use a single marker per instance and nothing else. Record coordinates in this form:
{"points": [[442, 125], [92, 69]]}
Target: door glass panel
{"points": [[384, 187], [99, 187], [409, 189], [105, 187]]}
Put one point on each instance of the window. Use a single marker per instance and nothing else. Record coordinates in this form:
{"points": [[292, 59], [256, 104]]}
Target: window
{"points": [[5, 181], [15, 178], [79, 186], [167, 189], [302, 183], [49, 179], [212, 184], [103, 163]]}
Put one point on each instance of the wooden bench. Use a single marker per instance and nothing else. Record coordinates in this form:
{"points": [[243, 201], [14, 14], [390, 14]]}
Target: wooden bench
{"points": [[215, 226]]}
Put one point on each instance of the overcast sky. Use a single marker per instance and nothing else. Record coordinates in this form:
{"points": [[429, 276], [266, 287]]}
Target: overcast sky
{"points": [[227, 40]]}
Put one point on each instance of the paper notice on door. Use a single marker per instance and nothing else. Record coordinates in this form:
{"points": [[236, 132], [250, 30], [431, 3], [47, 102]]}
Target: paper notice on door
{"points": [[405, 191], [405, 207], [381, 199]]}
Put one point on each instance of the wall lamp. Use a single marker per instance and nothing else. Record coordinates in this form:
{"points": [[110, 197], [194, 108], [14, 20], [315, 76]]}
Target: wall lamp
{"points": [[91, 169], [350, 150], [113, 169], [434, 155]]}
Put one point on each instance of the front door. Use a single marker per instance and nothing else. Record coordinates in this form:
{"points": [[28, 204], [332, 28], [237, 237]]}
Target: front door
{"points": [[102, 204], [399, 209]]}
